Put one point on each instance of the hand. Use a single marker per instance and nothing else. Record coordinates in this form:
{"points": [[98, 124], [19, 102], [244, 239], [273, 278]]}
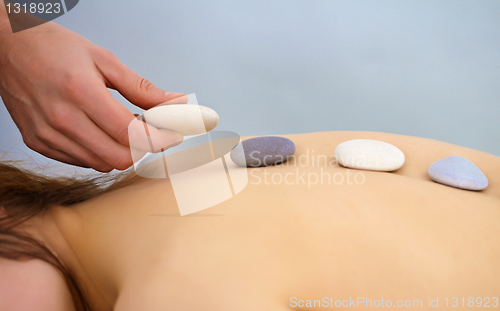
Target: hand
{"points": [[54, 84]]}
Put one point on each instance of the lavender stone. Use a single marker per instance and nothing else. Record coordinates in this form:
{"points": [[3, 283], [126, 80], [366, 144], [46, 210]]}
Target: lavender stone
{"points": [[458, 172], [263, 151]]}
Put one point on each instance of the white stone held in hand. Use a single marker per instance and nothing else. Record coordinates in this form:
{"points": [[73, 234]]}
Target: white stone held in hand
{"points": [[185, 119]]}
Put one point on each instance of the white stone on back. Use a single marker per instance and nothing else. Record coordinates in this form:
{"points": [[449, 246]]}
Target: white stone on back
{"points": [[369, 154]]}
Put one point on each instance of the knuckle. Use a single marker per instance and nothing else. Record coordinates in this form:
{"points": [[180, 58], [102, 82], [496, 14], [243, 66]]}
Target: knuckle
{"points": [[145, 85], [43, 134], [31, 142], [124, 162], [102, 167], [122, 136], [62, 120], [106, 55], [73, 84]]}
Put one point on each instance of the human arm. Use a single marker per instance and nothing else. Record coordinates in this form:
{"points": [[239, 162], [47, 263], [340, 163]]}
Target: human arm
{"points": [[54, 84]]}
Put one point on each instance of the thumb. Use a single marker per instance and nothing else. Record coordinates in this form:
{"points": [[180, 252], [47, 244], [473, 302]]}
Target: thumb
{"points": [[136, 89]]}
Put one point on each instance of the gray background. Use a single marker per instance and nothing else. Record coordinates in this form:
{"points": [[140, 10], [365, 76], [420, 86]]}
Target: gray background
{"points": [[420, 68]]}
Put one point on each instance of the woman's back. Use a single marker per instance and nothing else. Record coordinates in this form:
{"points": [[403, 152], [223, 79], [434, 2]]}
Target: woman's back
{"points": [[285, 240]]}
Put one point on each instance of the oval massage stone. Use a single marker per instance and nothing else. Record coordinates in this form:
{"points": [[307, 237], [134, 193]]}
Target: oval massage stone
{"points": [[458, 172], [369, 154], [185, 119], [263, 151]]}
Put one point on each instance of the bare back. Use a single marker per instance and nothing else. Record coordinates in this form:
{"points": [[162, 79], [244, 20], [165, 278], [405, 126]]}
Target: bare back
{"points": [[392, 236]]}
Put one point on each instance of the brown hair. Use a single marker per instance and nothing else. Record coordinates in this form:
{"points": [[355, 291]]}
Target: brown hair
{"points": [[24, 194]]}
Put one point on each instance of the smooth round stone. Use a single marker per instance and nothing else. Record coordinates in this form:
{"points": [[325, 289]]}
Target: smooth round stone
{"points": [[458, 172], [263, 151], [369, 154], [185, 119]]}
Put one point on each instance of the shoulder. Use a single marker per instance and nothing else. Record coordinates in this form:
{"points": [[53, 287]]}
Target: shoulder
{"points": [[33, 285]]}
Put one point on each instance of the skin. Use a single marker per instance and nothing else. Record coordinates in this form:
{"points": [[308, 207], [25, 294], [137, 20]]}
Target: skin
{"points": [[37, 280], [55, 83], [397, 236]]}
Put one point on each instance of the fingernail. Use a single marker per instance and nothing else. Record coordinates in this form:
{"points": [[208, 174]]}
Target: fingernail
{"points": [[178, 141], [174, 95], [174, 141], [176, 98]]}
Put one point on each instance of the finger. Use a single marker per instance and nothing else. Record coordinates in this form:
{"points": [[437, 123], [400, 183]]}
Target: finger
{"points": [[99, 105], [94, 138], [42, 148], [60, 156], [114, 119], [181, 100], [60, 145], [148, 138], [41, 138], [137, 154], [136, 89]]}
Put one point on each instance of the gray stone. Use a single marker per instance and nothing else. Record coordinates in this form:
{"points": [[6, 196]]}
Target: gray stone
{"points": [[263, 151]]}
